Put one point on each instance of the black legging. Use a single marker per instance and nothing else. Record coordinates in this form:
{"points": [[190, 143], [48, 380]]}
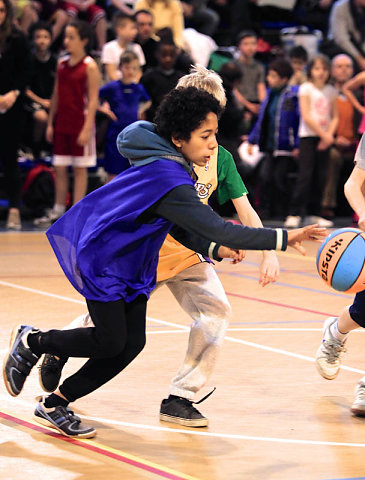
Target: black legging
{"points": [[117, 338], [11, 124]]}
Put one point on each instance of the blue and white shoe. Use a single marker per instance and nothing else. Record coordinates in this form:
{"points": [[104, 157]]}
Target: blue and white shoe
{"points": [[63, 420], [19, 361]]}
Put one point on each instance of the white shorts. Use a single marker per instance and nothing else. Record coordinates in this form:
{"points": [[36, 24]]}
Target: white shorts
{"points": [[68, 160]]}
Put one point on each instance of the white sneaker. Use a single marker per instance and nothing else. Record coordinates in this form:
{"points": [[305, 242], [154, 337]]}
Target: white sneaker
{"points": [[328, 356], [292, 221], [13, 222], [48, 218], [322, 222], [358, 407]]}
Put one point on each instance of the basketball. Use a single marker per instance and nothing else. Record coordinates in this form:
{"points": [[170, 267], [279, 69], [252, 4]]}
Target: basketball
{"points": [[341, 260]]}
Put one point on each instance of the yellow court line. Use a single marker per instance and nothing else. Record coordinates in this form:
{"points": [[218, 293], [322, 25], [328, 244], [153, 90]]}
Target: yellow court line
{"points": [[101, 449]]}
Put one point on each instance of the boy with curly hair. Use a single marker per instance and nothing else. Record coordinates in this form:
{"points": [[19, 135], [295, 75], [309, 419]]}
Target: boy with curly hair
{"points": [[108, 244]]}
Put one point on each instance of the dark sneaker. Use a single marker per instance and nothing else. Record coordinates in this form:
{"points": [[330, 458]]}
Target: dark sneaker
{"points": [[180, 410], [19, 361], [50, 372], [62, 419]]}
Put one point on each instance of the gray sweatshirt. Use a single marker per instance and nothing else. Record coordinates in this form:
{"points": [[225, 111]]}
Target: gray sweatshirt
{"points": [[342, 28]]}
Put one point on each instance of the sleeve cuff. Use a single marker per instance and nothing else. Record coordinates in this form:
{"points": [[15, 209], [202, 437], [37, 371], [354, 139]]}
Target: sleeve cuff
{"points": [[211, 249], [213, 252], [281, 239]]}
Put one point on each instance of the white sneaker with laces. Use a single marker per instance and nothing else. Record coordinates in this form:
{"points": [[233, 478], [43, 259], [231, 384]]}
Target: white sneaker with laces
{"points": [[292, 221], [358, 407], [322, 222], [328, 356]]}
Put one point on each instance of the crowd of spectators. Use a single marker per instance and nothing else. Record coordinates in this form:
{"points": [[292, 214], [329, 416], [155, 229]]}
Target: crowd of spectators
{"points": [[293, 118]]}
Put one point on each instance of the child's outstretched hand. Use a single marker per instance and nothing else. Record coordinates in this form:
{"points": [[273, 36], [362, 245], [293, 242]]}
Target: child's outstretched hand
{"points": [[311, 232], [236, 255]]}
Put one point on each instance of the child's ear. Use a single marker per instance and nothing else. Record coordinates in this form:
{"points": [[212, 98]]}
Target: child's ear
{"points": [[176, 141]]}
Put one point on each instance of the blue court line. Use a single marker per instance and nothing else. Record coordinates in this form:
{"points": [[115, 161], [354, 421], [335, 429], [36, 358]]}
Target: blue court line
{"points": [[347, 478], [278, 321], [288, 285], [306, 274]]}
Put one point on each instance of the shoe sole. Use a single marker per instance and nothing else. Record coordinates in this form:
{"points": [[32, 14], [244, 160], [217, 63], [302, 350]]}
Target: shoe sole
{"points": [[183, 421], [48, 424], [41, 381], [358, 412], [324, 375], [5, 377]]}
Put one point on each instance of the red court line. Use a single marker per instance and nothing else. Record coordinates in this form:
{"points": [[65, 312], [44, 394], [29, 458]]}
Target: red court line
{"points": [[284, 305], [32, 276], [96, 449]]}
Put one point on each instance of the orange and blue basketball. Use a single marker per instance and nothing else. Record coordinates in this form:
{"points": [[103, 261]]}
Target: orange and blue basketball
{"points": [[341, 260]]}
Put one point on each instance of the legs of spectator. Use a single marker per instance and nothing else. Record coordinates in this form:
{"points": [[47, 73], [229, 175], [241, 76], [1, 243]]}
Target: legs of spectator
{"points": [[100, 32], [335, 163], [61, 192], [60, 20], [28, 17], [285, 168], [265, 186], [318, 182], [80, 183], [10, 133], [13, 186], [62, 183], [9, 162], [40, 118], [306, 161]]}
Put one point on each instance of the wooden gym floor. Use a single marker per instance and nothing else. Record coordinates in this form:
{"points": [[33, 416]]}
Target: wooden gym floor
{"points": [[272, 416]]}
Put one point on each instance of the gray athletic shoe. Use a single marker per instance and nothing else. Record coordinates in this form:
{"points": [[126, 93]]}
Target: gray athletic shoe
{"points": [[19, 361], [358, 407], [328, 357], [63, 420]]}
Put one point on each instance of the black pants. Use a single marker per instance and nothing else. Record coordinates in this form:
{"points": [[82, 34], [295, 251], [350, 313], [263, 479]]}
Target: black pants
{"points": [[357, 309], [276, 184], [11, 124], [311, 179], [117, 338]]}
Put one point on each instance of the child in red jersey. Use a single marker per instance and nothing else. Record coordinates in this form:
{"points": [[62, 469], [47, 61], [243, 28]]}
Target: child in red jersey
{"points": [[71, 118]]}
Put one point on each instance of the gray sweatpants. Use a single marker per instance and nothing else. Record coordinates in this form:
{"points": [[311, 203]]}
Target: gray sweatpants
{"points": [[201, 295]]}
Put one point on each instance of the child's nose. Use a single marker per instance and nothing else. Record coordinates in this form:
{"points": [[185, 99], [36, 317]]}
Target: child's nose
{"points": [[213, 144]]}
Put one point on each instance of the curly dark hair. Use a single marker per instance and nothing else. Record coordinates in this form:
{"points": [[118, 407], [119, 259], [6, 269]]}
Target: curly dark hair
{"points": [[182, 111]]}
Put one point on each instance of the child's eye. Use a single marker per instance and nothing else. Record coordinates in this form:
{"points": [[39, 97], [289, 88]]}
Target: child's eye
{"points": [[205, 138]]}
